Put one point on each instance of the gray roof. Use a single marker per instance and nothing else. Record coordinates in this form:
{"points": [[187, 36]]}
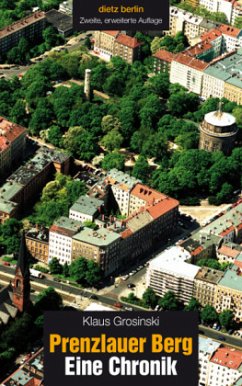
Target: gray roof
{"points": [[7, 206], [228, 69], [86, 205], [68, 224], [101, 238], [123, 178], [9, 190], [232, 279]]}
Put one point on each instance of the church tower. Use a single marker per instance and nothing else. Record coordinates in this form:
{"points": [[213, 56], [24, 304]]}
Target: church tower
{"points": [[21, 283]]}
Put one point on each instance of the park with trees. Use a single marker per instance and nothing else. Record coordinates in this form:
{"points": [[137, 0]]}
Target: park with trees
{"points": [[146, 115]]}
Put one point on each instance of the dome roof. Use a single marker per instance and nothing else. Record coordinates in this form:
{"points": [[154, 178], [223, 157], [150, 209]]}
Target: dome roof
{"points": [[217, 118]]}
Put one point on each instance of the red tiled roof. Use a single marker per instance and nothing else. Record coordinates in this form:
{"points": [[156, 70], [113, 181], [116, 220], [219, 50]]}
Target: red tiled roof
{"points": [[112, 33], [228, 30], [164, 55], [162, 207], [197, 251], [227, 231], [128, 41], [9, 131], [211, 35], [238, 264], [61, 231], [189, 61], [147, 194], [125, 234], [199, 49], [18, 25], [227, 251], [227, 357]]}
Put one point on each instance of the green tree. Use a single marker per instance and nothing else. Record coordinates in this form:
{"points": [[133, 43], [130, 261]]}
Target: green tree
{"points": [[81, 143], [93, 273], [55, 267], [109, 123], [209, 315], [55, 136], [149, 298], [169, 302], [113, 160], [48, 300], [193, 305], [78, 269], [66, 272], [226, 319], [211, 263], [112, 140], [141, 169]]}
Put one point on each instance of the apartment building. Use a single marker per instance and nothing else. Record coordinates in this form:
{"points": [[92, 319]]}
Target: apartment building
{"points": [[206, 348], [12, 145], [188, 72], [114, 43], [101, 246], [225, 366], [228, 291], [222, 78], [232, 38], [37, 242], [31, 28], [60, 239], [229, 252], [170, 271], [122, 185], [162, 61], [183, 21], [205, 285], [26, 183], [231, 8], [85, 209]]}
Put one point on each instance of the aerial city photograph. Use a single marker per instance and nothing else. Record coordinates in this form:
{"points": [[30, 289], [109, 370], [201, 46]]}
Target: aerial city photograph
{"points": [[120, 176]]}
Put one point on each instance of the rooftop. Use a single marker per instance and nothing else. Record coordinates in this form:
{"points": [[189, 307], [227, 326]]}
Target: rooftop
{"points": [[207, 345], [227, 69], [116, 177], [174, 260], [185, 15], [18, 25], [9, 131], [128, 41], [227, 357], [189, 61], [221, 119], [66, 226], [61, 21], [101, 237], [149, 195], [232, 218], [25, 173], [30, 374], [229, 30], [38, 234], [164, 55], [7, 206], [9, 190], [230, 249], [232, 278], [86, 205], [209, 275]]}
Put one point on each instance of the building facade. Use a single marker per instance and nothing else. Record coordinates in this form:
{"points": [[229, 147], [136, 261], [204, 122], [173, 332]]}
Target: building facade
{"points": [[30, 27], [60, 239]]}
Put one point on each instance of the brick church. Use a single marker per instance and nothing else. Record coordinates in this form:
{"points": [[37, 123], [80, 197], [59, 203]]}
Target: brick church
{"points": [[15, 298]]}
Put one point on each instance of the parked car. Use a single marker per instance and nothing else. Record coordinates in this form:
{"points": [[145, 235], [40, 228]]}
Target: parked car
{"points": [[118, 305]]}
